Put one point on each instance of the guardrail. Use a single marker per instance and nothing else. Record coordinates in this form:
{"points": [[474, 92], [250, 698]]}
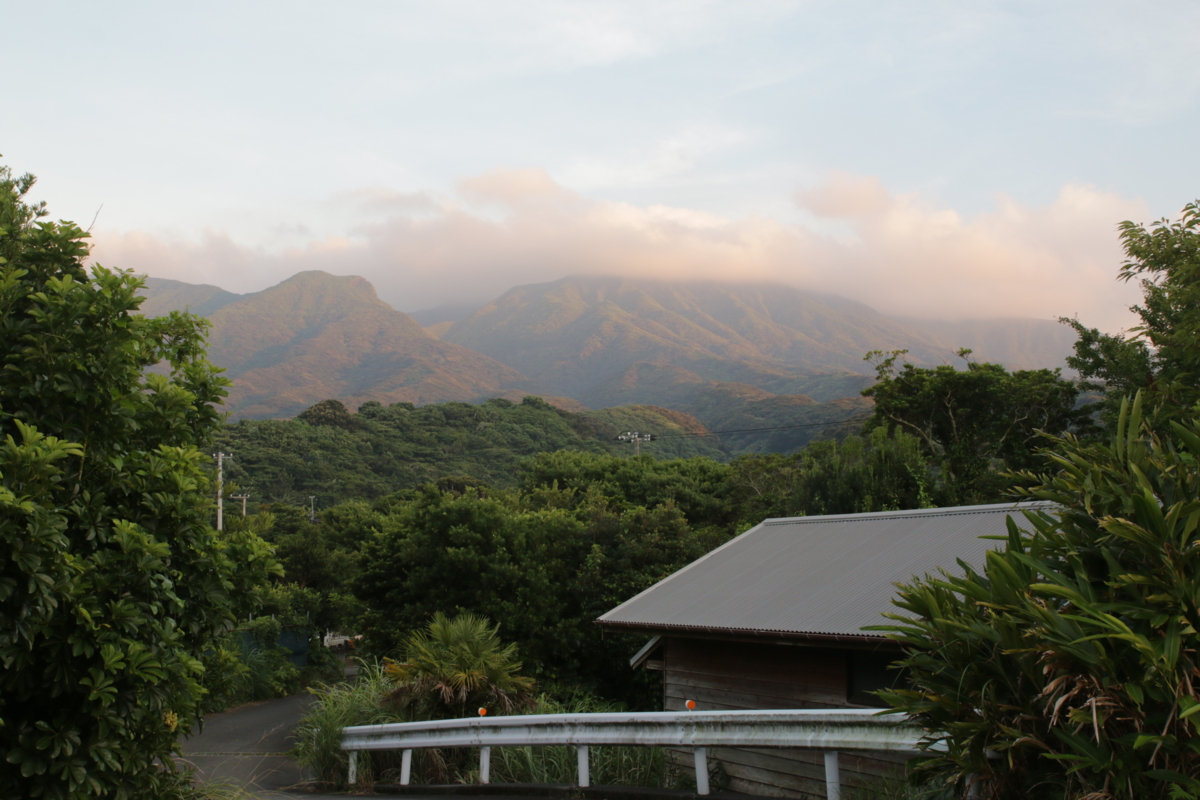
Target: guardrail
{"points": [[829, 730]]}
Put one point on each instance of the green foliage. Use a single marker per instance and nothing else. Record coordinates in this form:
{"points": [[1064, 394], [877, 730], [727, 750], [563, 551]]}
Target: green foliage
{"points": [[675, 432], [648, 767], [314, 555], [364, 701], [457, 665], [695, 485], [883, 471], [393, 448], [456, 553], [112, 584], [328, 412], [582, 534], [976, 422], [1162, 354], [252, 664], [1074, 655]]}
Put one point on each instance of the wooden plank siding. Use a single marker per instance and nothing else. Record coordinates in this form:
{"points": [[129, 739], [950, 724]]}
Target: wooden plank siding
{"points": [[725, 675]]}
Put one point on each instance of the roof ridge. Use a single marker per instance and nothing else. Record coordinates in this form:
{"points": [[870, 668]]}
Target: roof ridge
{"points": [[953, 511]]}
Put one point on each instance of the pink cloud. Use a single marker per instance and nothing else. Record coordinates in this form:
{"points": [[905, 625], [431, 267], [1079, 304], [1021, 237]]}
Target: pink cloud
{"points": [[506, 228]]}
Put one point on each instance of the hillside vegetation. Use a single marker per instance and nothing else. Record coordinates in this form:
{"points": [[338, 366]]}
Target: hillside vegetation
{"points": [[316, 336], [733, 357], [334, 455], [577, 335]]}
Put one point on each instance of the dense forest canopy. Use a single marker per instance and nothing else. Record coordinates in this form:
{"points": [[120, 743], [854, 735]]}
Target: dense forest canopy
{"points": [[335, 455]]}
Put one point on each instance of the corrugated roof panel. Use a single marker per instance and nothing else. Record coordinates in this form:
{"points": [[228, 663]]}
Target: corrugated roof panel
{"points": [[829, 575]]}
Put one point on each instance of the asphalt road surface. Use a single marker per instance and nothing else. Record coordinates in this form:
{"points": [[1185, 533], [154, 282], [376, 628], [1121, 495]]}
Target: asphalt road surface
{"points": [[246, 746]]}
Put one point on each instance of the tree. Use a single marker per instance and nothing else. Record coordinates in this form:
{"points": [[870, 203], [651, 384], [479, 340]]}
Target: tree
{"points": [[883, 471], [328, 412], [696, 485], [471, 553], [1162, 353], [456, 665], [1068, 666], [977, 422], [547, 560], [112, 583]]}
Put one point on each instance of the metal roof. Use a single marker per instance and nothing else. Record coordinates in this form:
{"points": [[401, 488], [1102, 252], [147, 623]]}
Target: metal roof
{"points": [[821, 577]]}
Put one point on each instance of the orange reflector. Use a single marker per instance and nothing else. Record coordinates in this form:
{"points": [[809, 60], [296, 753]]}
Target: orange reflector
{"points": [[691, 705], [483, 712]]}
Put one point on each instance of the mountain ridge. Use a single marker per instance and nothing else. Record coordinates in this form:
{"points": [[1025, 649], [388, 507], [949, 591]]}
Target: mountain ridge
{"points": [[733, 357], [315, 336], [576, 335]]}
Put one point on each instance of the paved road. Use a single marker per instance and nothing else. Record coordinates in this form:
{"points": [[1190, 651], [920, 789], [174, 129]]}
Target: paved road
{"points": [[246, 746]]}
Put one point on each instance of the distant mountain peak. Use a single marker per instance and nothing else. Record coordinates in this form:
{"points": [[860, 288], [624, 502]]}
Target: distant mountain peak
{"points": [[316, 336]]}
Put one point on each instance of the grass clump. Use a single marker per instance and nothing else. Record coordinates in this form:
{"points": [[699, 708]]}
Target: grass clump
{"points": [[361, 701], [608, 766], [367, 701]]}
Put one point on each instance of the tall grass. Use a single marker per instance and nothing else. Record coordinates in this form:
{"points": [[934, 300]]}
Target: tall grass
{"points": [[608, 766], [357, 702], [364, 702]]}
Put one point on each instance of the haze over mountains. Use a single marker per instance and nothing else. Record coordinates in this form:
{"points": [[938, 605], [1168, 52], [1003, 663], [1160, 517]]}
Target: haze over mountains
{"points": [[733, 356], [317, 336]]}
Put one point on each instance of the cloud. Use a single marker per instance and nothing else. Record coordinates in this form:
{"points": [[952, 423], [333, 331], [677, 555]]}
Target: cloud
{"points": [[845, 195], [909, 258], [666, 157], [899, 254], [514, 188]]}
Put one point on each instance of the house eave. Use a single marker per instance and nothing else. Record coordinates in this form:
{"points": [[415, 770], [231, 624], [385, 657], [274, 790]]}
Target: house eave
{"points": [[745, 634]]}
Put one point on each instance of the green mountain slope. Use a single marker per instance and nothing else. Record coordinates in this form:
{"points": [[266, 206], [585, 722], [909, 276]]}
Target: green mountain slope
{"points": [[383, 449], [164, 296], [578, 335], [733, 406], [733, 357], [316, 336]]}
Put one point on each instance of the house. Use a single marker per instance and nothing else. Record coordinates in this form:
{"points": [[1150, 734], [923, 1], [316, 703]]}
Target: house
{"points": [[774, 619]]}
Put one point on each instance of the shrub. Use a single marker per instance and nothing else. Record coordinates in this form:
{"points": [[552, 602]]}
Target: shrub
{"points": [[112, 583], [1071, 665], [457, 665], [361, 701], [364, 701]]}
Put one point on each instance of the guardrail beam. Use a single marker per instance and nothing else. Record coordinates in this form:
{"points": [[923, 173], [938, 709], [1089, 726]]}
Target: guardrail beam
{"points": [[829, 730]]}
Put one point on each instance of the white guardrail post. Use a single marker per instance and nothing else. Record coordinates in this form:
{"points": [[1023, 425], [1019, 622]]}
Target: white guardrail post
{"points": [[828, 729], [700, 760], [485, 764], [833, 778], [405, 767], [585, 778]]}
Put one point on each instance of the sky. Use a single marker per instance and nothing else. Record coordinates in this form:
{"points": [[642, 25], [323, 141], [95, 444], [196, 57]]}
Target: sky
{"points": [[932, 159]]}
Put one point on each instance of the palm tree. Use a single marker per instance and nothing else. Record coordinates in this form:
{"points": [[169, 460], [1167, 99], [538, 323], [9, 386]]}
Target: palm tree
{"points": [[457, 665]]}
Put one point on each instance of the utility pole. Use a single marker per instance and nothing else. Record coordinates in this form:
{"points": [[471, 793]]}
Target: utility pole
{"points": [[220, 457], [312, 508], [637, 439], [243, 498]]}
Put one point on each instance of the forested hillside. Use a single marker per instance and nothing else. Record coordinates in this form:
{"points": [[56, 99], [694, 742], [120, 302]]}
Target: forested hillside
{"points": [[736, 358], [334, 455], [578, 335]]}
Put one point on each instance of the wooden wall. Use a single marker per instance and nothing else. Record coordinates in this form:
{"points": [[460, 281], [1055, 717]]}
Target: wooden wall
{"points": [[722, 675]]}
